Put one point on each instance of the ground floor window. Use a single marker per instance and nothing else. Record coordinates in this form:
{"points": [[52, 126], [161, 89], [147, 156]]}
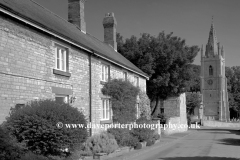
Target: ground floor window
{"points": [[62, 98], [138, 111], [106, 109]]}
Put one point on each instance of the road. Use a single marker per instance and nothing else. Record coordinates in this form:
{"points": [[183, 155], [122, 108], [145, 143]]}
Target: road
{"points": [[204, 144]]}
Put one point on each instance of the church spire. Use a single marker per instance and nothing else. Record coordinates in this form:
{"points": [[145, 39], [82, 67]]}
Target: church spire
{"points": [[212, 45], [202, 54], [222, 52]]}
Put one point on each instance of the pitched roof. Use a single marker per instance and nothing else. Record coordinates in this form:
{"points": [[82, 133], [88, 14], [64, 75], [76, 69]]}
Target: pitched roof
{"points": [[40, 16]]}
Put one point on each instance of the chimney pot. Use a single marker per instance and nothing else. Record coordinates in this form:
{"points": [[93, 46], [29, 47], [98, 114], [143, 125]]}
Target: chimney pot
{"points": [[76, 13], [109, 24]]}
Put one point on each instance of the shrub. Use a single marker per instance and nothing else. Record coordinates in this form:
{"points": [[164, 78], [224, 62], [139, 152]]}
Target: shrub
{"points": [[156, 136], [32, 156], [144, 105], [149, 143], [153, 141], [101, 143], [124, 137], [142, 133], [35, 125], [138, 146], [9, 148], [123, 97]]}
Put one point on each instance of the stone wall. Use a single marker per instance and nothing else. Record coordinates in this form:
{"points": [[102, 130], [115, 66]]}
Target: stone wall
{"points": [[215, 123], [175, 110]]}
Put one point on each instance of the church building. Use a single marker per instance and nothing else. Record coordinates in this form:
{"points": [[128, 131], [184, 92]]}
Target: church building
{"points": [[213, 80]]}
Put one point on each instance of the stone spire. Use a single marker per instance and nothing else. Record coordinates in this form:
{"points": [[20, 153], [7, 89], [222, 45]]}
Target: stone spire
{"points": [[202, 54], [212, 46], [222, 52]]}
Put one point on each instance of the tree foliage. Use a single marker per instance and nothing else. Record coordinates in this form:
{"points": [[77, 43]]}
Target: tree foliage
{"points": [[192, 101], [123, 98], [165, 58], [35, 125], [233, 84], [193, 85]]}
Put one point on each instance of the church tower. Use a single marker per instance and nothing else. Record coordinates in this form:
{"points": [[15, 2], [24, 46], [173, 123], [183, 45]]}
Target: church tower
{"points": [[213, 80]]}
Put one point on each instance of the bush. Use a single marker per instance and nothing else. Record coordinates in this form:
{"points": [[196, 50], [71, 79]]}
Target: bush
{"points": [[143, 134], [156, 136], [149, 143], [101, 143], [35, 125], [144, 105], [138, 146], [124, 137], [32, 156], [153, 141], [9, 148], [123, 97]]}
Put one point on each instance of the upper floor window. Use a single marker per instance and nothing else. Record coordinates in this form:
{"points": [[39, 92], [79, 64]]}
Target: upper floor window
{"points": [[60, 58], [136, 81], [210, 70], [105, 73], [125, 76]]}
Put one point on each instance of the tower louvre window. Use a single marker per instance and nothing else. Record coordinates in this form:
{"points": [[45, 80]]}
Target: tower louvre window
{"points": [[210, 70]]}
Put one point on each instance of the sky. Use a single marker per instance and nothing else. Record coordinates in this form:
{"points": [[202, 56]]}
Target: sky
{"points": [[188, 19]]}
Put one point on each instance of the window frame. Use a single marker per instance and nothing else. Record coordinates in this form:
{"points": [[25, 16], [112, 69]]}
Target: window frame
{"points": [[210, 70], [105, 73], [66, 97], [137, 111], [106, 112], [125, 75], [63, 58], [136, 81]]}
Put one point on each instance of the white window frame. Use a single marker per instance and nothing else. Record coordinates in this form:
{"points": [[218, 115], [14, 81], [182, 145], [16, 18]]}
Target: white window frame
{"points": [[66, 97], [106, 109], [137, 111], [60, 59], [105, 73], [136, 81]]}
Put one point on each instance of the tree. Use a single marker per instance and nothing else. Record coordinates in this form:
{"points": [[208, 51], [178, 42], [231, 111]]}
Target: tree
{"points": [[233, 86], [192, 101], [165, 58], [193, 85]]}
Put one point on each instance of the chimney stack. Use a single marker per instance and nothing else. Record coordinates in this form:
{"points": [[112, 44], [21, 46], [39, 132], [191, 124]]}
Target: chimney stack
{"points": [[76, 13], [109, 24]]}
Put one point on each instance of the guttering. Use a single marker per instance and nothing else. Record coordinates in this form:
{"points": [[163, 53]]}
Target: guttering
{"points": [[65, 39], [90, 92]]}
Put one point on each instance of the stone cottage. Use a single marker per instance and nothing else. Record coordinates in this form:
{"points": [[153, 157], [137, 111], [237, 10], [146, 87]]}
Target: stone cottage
{"points": [[44, 56]]}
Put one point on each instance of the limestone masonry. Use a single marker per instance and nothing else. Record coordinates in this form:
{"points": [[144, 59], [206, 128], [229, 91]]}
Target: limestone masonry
{"points": [[213, 80]]}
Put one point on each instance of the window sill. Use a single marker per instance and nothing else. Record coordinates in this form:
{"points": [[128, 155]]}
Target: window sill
{"points": [[103, 82], [106, 121], [62, 73]]}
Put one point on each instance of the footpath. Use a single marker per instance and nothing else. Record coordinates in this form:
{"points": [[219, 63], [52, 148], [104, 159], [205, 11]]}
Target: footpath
{"points": [[164, 141]]}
